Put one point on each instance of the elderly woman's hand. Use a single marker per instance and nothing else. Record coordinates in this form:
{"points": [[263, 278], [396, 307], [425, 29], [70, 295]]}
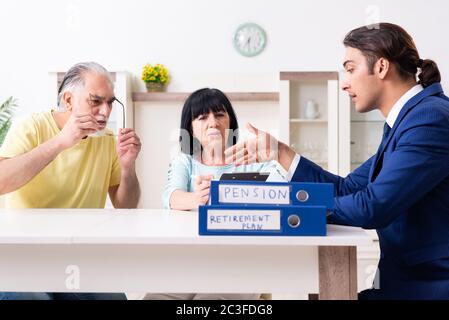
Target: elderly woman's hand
{"points": [[201, 188]]}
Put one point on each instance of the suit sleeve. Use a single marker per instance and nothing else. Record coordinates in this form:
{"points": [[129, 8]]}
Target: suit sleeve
{"points": [[307, 171], [418, 163]]}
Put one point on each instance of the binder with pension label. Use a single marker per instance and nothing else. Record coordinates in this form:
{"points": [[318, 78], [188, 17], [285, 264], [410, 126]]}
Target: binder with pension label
{"points": [[271, 193], [256, 220]]}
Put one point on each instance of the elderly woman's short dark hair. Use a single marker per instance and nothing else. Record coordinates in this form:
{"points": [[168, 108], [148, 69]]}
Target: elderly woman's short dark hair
{"points": [[202, 102]]}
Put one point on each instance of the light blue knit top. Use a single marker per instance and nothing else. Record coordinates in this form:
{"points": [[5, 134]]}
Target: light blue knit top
{"points": [[183, 170]]}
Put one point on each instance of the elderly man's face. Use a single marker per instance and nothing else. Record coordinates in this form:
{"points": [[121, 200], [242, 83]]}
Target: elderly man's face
{"points": [[96, 97]]}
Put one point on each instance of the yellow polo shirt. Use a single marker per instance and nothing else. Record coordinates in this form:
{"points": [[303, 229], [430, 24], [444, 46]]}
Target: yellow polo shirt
{"points": [[79, 177]]}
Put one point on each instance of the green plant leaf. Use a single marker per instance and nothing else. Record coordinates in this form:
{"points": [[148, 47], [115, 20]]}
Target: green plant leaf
{"points": [[7, 109], [3, 131]]}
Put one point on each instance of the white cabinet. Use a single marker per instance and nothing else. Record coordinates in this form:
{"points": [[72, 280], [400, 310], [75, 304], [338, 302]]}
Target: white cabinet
{"points": [[157, 118], [360, 135], [359, 138], [309, 104], [367, 260], [336, 137]]}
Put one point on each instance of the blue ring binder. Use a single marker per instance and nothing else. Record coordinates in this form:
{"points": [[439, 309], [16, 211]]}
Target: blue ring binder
{"points": [[266, 208]]}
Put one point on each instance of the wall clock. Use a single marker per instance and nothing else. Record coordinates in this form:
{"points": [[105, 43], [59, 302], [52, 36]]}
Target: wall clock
{"points": [[249, 39]]}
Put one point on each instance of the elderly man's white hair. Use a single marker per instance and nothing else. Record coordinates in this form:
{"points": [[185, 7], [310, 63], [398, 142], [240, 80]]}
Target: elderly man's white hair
{"points": [[74, 78]]}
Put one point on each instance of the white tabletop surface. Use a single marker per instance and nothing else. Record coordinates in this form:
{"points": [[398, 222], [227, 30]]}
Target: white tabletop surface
{"points": [[142, 226]]}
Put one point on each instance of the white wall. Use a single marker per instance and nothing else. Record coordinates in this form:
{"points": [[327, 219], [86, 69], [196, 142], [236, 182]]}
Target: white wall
{"points": [[194, 40], [193, 36]]}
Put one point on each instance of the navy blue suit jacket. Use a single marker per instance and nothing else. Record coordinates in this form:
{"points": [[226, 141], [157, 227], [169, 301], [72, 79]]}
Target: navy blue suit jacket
{"points": [[403, 193]]}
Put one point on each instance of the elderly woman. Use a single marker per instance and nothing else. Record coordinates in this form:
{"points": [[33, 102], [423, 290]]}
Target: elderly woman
{"points": [[208, 126]]}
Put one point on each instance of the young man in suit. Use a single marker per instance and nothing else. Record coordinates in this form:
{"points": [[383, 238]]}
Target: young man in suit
{"points": [[403, 190]]}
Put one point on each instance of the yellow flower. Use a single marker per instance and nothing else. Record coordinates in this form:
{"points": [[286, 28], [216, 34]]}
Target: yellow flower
{"points": [[157, 73]]}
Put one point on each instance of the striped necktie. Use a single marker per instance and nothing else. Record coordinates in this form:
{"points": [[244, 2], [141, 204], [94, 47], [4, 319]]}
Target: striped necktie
{"points": [[379, 158], [385, 135]]}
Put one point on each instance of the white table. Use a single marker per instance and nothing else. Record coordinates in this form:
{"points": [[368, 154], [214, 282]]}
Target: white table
{"points": [[73, 250]]}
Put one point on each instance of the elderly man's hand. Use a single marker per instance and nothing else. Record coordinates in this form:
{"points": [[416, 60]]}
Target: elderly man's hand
{"points": [[128, 148], [77, 127]]}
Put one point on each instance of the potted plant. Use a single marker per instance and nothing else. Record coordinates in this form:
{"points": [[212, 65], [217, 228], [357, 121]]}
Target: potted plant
{"points": [[155, 77], [6, 113]]}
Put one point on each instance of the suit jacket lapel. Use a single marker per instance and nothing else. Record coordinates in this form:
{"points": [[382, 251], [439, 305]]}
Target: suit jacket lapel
{"points": [[409, 105]]}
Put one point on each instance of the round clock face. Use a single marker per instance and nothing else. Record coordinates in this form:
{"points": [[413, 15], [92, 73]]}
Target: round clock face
{"points": [[249, 39]]}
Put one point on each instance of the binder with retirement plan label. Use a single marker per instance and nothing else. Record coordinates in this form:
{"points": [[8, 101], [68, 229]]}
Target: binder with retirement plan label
{"points": [[266, 208], [259, 220]]}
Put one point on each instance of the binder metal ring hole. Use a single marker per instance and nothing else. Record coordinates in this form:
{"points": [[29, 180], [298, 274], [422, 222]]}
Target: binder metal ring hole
{"points": [[293, 221], [302, 195]]}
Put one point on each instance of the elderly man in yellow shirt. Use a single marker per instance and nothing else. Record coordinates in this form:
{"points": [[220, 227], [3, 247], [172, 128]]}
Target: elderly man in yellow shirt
{"points": [[69, 159]]}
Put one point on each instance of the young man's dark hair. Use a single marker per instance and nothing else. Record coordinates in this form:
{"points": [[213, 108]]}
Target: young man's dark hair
{"points": [[390, 41]]}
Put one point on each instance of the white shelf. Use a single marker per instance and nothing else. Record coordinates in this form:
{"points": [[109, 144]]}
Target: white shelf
{"points": [[296, 90], [301, 120], [182, 96], [367, 121]]}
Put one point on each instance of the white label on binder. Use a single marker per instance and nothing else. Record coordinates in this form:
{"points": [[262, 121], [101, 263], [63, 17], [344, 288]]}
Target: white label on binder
{"points": [[255, 194], [243, 219]]}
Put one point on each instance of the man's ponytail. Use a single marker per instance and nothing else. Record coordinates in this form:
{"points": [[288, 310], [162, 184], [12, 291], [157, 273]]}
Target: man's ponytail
{"points": [[429, 72]]}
